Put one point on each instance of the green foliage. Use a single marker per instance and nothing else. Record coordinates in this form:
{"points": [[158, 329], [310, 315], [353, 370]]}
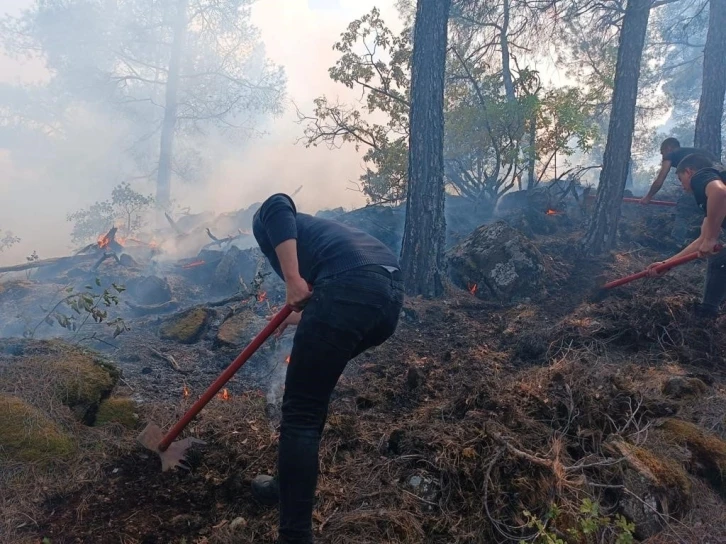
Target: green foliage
{"points": [[589, 527], [7, 239], [75, 309], [126, 208], [491, 139]]}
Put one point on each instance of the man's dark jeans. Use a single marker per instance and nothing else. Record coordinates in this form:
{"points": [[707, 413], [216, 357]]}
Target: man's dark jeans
{"points": [[715, 289], [347, 314]]}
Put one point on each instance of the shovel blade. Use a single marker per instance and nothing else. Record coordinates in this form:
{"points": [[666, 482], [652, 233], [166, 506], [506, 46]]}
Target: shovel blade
{"points": [[175, 455]]}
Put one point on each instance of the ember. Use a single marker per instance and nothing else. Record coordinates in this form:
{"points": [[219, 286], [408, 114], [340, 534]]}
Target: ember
{"points": [[287, 361], [193, 265], [224, 395], [553, 212], [185, 392], [103, 242], [262, 297], [472, 288]]}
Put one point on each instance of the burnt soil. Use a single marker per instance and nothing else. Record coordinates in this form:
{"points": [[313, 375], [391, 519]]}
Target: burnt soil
{"points": [[473, 413]]}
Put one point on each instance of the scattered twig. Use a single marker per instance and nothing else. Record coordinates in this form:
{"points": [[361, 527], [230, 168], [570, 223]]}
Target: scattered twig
{"points": [[168, 358]]}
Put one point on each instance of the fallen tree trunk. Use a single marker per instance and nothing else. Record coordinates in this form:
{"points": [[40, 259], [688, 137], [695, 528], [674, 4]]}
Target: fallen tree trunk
{"points": [[47, 262]]}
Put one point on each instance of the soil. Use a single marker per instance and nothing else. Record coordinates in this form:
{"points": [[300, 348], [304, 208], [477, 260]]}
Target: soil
{"points": [[471, 415]]}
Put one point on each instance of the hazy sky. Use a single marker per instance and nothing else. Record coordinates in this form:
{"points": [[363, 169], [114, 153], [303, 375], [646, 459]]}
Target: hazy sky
{"points": [[298, 34]]}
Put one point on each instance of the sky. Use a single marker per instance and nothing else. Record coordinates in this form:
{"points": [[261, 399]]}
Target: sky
{"points": [[299, 35]]}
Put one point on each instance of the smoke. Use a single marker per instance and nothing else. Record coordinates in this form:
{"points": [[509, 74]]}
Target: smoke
{"points": [[39, 187]]}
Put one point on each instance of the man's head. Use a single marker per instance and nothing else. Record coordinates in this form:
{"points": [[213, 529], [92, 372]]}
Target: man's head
{"points": [[668, 146], [689, 166]]}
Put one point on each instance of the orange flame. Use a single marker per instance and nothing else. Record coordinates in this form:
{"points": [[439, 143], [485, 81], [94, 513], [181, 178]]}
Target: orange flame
{"points": [[121, 241], [224, 395], [103, 242], [472, 288], [553, 212], [287, 361], [262, 297], [193, 265], [185, 392]]}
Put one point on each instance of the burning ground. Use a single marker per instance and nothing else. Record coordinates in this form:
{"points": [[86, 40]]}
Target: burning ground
{"points": [[513, 398]]}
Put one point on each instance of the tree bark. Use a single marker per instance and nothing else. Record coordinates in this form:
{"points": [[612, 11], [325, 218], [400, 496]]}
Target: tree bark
{"points": [[602, 232], [422, 251], [713, 90], [504, 44], [168, 126]]}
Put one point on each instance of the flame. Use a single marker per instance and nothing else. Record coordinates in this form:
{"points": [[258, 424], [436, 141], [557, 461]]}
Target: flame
{"points": [[120, 241], [287, 361], [153, 243], [262, 297], [553, 212], [472, 288], [193, 265], [103, 242], [224, 395], [185, 392]]}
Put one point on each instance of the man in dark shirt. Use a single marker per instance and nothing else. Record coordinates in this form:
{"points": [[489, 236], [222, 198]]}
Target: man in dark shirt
{"points": [[349, 284], [698, 176], [672, 154]]}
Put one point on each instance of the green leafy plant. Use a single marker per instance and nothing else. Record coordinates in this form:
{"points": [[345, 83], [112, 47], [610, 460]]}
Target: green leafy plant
{"points": [[590, 527], [74, 310]]}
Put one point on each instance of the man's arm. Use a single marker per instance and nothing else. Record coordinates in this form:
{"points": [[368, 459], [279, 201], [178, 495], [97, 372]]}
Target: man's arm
{"points": [[277, 216], [665, 167], [715, 210]]}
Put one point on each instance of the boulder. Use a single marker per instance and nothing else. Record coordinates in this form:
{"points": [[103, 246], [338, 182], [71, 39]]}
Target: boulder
{"points": [[149, 290], [28, 435], [679, 387], [235, 264], [239, 329], [661, 485], [186, 327], [57, 373], [500, 261], [708, 452], [120, 410]]}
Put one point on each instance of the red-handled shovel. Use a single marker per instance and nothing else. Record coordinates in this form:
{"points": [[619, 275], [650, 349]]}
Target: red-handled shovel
{"points": [[644, 273], [174, 453]]}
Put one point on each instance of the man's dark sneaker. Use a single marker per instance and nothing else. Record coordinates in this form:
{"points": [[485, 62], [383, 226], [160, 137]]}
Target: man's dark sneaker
{"points": [[705, 312], [266, 490]]}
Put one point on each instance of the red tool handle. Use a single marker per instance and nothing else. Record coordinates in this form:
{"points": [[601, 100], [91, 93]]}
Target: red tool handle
{"points": [[225, 377], [652, 202], [660, 268], [637, 200]]}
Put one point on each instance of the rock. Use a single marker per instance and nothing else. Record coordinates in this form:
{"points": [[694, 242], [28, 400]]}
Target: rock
{"points": [[238, 522], [235, 264], [239, 329], [121, 410], [708, 452], [58, 372], [149, 290], [660, 483], [424, 487], [28, 435], [679, 387], [127, 261], [500, 261], [187, 327]]}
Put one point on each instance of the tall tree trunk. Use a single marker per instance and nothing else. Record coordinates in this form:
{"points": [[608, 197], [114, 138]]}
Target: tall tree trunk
{"points": [[602, 233], [713, 91], [168, 126], [532, 152], [422, 252], [504, 44]]}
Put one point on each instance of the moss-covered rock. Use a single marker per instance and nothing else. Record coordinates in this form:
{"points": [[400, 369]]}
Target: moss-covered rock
{"points": [[28, 435], [708, 452], [121, 410], [187, 327], [239, 329], [58, 372], [660, 483]]}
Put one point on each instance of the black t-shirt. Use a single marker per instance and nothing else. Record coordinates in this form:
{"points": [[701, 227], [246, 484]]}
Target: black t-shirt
{"points": [[324, 247], [699, 181], [682, 152]]}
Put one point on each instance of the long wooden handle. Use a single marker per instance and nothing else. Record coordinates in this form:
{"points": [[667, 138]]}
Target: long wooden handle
{"points": [[225, 377], [660, 268]]}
